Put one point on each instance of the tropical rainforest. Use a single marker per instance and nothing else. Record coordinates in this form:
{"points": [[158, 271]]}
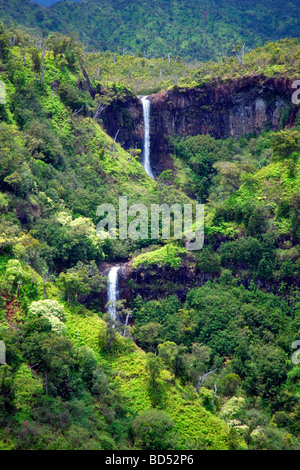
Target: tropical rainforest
{"points": [[202, 354], [193, 29]]}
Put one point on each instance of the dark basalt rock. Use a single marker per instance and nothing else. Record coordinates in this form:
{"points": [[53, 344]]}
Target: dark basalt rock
{"points": [[152, 282], [243, 106], [125, 117], [246, 105]]}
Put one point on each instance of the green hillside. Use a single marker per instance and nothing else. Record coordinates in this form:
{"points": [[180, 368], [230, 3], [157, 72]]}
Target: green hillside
{"points": [[146, 76], [52, 160], [75, 378], [195, 29]]}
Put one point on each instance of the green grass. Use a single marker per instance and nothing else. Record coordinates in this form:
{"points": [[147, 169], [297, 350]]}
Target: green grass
{"points": [[168, 255], [192, 421]]}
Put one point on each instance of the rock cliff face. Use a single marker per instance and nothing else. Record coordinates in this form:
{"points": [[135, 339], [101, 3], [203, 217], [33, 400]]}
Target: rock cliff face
{"points": [[239, 107], [222, 109], [145, 280], [125, 116]]}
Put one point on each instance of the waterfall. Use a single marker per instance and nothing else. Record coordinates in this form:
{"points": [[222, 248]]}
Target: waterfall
{"points": [[146, 156], [113, 291]]}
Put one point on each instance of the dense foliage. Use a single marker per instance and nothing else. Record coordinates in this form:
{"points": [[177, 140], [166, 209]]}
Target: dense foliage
{"points": [[205, 358], [195, 29], [150, 75]]}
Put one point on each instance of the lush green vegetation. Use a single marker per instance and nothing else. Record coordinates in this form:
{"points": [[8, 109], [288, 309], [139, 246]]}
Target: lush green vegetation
{"points": [[149, 75], [166, 256], [74, 378], [243, 320], [53, 156], [194, 29]]}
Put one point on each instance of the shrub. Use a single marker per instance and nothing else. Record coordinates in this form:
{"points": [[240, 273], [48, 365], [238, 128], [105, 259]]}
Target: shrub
{"points": [[152, 429], [208, 261], [53, 311], [166, 256], [230, 383]]}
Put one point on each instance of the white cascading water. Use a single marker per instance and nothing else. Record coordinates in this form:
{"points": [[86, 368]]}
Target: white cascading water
{"points": [[113, 291], [146, 157]]}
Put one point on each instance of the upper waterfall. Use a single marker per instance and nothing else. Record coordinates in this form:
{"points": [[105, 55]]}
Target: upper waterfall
{"points": [[146, 154], [113, 291]]}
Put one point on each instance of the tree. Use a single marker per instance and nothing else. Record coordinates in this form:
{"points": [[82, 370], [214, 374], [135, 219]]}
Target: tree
{"points": [[76, 99], [15, 275], [168, 352], [154, 368], [231, 175], [102, 101], [198, 359], [74, 240], [87, 365], [202, 378], [4, 43], [73, 284], [208, 261], [230, 384], [239, 52], [52, 356], [153, 430], [27, 389], [147, 336], [265, 268], [266, 372], [52, 311], [38, 60], [6, 381], [108, 336], [286, 144], [258, 221], [82, 280]]}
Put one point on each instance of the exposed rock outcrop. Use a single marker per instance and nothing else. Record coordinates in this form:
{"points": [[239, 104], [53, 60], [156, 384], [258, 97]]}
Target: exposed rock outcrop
{"points": [[246, 105], [125, 117]]}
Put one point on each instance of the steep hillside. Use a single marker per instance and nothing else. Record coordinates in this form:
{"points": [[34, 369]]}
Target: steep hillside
{"points": [[57, 165], [242, 106], [194, 30], [199, 351]]}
